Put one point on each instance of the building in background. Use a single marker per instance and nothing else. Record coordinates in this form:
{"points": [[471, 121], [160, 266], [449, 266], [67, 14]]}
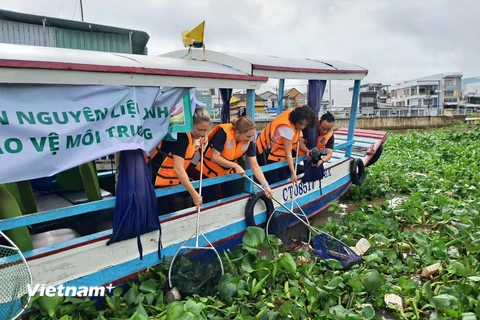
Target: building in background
{"points": [[294, 98], [239, 100], [438, 91], [471, 92], [36, 30], [372, 97]]}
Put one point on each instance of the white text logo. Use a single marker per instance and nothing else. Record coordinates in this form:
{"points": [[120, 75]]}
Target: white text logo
{"points": [[68, 291]]}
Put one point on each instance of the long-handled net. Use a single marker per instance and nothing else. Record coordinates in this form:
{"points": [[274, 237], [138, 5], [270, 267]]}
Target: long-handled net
{"points": [[15, 277], [282, 224], [325, 245], [195, 269]]}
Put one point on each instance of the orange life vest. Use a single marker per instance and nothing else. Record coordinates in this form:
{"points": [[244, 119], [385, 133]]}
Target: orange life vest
{"points": [[232, 151], [265, 138], [166, 176], [321, 142]]}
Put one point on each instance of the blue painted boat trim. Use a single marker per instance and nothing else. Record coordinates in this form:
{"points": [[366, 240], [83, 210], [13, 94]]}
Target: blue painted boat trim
{"points": [[343, 145], [109, 203], [369, 141], [353, 116]]}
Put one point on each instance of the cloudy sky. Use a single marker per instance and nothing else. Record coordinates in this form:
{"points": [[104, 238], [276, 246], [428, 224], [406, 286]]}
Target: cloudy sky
{"points": [[394, 40]]}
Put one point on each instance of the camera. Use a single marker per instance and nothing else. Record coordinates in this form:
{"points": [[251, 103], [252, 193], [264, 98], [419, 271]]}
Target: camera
{"points": [[315, 155]]}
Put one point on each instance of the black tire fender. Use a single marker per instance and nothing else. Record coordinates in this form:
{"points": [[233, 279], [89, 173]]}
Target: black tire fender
{"points": [[376, 156], [252, 200], [357, 171]]}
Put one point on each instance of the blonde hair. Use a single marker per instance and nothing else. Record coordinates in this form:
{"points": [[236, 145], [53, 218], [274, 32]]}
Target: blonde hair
{"points": [[201, 115], [243, 124]]}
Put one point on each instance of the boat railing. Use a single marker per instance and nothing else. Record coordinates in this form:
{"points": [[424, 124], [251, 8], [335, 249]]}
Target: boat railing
{"points": [[109, 203]]}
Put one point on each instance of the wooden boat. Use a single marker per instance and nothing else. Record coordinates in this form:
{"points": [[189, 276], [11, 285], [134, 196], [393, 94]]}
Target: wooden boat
{"points": [[78, 256]]}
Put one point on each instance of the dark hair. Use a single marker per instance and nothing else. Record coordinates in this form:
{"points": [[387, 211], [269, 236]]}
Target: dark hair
{"points": [[243, 124], [303, 113], [327, 117]]}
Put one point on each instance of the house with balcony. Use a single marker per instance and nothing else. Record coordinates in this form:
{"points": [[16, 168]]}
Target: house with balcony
{"points": [[437, 91], [371, 96]]}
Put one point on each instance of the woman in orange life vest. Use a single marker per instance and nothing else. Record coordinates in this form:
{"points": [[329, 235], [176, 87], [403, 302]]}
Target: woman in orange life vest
{"points": [[227, 144], [325, 141], [278, 141], [176, 157]]}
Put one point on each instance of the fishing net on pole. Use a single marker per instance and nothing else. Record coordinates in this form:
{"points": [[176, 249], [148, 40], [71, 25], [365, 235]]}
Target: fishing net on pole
{"points": [[15, 277]]}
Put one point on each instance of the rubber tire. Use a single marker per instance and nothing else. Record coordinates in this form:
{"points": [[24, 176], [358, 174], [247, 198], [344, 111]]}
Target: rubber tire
{"points": [[376, 156], [249, 218], [357, 171]]}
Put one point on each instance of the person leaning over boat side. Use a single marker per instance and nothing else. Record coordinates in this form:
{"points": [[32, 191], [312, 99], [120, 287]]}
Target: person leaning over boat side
{"points": [[177, 156], [325, 140], [278, 141], [228, 142]]}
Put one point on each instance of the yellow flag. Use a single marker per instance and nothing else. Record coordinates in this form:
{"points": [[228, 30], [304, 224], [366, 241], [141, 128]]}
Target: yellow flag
{"points": [[197, 33]]}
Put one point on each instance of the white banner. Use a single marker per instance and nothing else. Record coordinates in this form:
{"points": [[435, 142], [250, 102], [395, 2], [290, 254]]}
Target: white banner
{"points": [[48, 129]]}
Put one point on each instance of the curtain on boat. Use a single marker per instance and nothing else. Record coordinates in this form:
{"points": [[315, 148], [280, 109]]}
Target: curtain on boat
{"points": [[226, 95], [136, 202], [316, 88]]}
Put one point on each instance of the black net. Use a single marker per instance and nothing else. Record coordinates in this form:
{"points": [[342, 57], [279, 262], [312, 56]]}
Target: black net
{"points": [[197, 272], [327, 247], [288, 228]]}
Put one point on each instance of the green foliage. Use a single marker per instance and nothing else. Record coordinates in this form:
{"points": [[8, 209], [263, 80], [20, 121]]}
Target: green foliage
{"points": [[438, 175]]}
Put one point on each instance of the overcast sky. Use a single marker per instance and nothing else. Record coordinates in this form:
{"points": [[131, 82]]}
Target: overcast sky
{"points": [[394, 40]]}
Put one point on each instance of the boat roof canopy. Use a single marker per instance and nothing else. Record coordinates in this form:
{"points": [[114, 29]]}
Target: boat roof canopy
{"points": [[45, 65], [277, 67]]}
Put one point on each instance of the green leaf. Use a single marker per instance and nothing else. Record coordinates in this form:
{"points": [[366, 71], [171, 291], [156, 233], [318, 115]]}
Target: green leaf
{"points": [[469, 316], [253, 237], [420, 239], [295, 292], [247, 261], [175, 310], [445, 300], [286, 308], [193, 307], [457, 268], [225, 286], [288, 263], [339, 312], [474, 278], [149, 286], [49, 304], [372, 281], [427, 288], [117, 292], [334, 264], [368, 312], [334, 283], [130, 296]]}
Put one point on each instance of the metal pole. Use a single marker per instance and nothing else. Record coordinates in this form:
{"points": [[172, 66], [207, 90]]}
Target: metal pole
{"points": [[250, 106], [81, 9], [281, 88], [329, 93]]}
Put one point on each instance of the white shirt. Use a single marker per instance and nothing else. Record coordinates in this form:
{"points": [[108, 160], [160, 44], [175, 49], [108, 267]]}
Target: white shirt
{"points": [[283, 131]]}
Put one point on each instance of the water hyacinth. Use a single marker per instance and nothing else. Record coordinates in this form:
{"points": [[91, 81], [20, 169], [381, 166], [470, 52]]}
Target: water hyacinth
{"points": [[424, 252]]}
